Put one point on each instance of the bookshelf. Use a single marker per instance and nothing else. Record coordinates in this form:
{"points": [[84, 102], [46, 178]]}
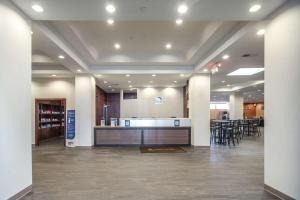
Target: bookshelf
{"points": [[49, 119]]}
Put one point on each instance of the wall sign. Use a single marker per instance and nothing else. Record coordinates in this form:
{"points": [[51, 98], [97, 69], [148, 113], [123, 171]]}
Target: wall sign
{"points": [[70, 124], [176, 122]]}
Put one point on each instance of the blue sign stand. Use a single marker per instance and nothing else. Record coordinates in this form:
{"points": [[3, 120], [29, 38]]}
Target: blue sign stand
{"points": [[70, 124]]}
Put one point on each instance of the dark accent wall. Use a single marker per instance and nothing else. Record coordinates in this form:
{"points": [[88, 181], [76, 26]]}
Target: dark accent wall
{"points": [[113, 100], [100, 101]]}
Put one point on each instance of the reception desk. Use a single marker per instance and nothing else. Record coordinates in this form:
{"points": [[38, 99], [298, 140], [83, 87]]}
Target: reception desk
{"points": [[145, 132]]}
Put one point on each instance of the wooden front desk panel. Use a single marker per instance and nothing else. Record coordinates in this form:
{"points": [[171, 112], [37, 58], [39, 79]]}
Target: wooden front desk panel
{"points": [[142, 136]]}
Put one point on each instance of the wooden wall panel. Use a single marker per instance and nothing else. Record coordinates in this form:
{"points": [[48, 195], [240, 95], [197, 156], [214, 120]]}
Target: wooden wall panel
{"points": [[166, 136], [100, 101], [113, 99]]}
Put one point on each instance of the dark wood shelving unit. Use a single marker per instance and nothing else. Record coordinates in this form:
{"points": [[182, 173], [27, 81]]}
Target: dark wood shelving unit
{"points": [[50, 117]]}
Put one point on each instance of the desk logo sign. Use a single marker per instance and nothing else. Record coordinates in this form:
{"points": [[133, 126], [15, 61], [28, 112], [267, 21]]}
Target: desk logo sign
{"points": [[176, 122], [127, 123], [70, 127]]}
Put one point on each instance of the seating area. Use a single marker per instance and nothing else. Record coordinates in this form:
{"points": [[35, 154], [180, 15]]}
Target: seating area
{"points": [[231, 132]]}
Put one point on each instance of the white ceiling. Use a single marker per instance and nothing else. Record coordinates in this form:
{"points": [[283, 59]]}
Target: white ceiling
{"points": [[153, 10], [143, 27]]}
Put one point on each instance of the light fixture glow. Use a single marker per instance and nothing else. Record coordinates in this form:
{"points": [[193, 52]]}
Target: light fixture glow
{"points": [[205, 70], [150, 81], [179, 21], [181, 75], [127, 75], [168, 46], [117, 46], [175, 81], [129, 81], [61, 57], [182, 9], [110, 8], [53, 75], [255, 8], [110, 21], [223, 81], [37, 8], [78, 70], [225, 57], [245, 71], [153, 75], [260, 32], [130, 86], [99, 75], [105, 82]]}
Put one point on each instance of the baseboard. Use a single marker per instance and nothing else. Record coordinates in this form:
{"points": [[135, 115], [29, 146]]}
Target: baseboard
{"points": [[201, 147], [277, 193], [22, 193]]}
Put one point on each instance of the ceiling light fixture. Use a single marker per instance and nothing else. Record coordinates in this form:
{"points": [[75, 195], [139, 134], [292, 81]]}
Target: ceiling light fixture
{"points": [[127, 75], [53, 75], [255, 8], [205, 70], [223, 81], [78, 70], [179, 21], [153, 75], [37, 8], [175, 81], [168, 46], [117, 46], [245, 71], [110, 8], [260, 32], [181, 75], [61, 57], [182, 9], [110, 21], [129, 81], [130, 86], [99, 75], [105, 82], [225, 57]]}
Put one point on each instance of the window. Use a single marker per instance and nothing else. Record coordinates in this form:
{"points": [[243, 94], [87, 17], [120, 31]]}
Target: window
{"points": [[219, 106]]}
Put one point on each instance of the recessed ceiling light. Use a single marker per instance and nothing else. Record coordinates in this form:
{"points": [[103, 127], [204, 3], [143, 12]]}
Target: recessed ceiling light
{"points": [[228, 85], [78, 70], [260, 32], [99, 75], [255, 8], [61, 57], [153, 75], [117, 46], [219, 65], [130, 86], [105, 82], [181, 75], [226, 56], [245, 71], [110, 21], [168, 46], [205, 70], [110, 8], [129, 81], [175, 81], [182, 9], [31, 32], [37, 8], [223, 81], [53, 75], [109, 86], [179, 21], [127, 75]]}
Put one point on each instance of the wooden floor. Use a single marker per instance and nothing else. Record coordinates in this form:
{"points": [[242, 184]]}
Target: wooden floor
{"points": [[126, 174]]}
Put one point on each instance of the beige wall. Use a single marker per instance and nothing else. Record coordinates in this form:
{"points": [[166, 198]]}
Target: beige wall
{"points": [[52, 88], [144, 105]]}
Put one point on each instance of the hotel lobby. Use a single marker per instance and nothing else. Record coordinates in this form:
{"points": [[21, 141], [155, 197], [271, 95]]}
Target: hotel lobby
{"points": [[152, 100]]}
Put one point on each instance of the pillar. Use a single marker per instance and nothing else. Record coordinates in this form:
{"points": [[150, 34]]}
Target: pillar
{"points": [[85, 105], [236, 106], [282, 97], [199, 101], [15, 102]]}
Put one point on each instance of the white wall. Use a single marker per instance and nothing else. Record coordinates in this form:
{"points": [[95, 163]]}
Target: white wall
{"points": [[236, 106], [282, 97], [144, 105], [63, 88], [15, 105], [85, 101], [199, 109]]}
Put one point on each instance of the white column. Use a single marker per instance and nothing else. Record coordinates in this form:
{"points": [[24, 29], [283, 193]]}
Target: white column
{"points": [[199, 100], [85, 101], [236, 106], [15, 102], [282, 97]]}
